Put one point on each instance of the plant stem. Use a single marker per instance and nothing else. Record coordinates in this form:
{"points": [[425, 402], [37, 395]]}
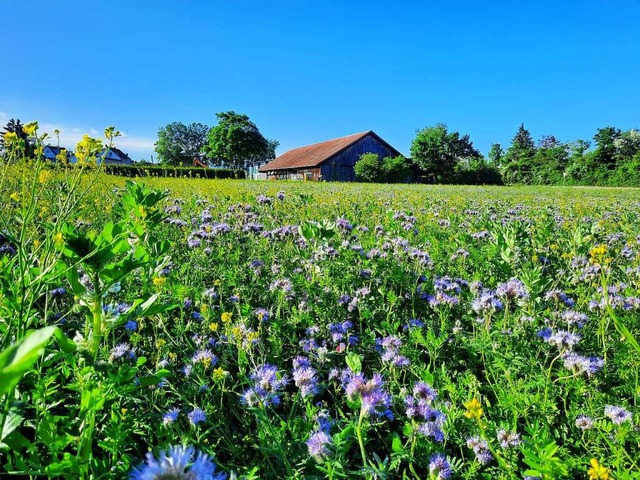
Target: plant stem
{"points": [[363, 452]]}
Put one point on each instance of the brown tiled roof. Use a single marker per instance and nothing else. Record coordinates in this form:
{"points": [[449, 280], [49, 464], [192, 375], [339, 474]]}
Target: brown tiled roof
{"points": [[312, 155]]}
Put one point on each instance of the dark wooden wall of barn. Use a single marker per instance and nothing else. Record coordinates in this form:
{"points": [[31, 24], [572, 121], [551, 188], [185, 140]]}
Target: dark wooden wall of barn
{"points": [[339, 168]]}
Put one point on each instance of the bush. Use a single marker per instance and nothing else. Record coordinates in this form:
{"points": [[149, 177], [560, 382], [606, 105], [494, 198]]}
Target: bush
{"points": [[370, 168], [170, 171]]}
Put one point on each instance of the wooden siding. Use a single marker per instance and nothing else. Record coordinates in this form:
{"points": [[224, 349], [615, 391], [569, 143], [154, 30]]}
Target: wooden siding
{"points": [[339, 168]]}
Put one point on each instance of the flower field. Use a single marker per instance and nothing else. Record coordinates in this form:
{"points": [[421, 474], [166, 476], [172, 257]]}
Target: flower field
{"points": [[316, 330]]}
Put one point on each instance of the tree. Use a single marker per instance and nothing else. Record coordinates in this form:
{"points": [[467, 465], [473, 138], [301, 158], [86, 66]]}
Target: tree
{"points": [[605, 152], [495, 155], [437, 152], [236, 142], [517, 161], [178, 144], [25, 143]]}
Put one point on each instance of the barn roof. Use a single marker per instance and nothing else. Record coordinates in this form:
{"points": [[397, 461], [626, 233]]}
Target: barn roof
{"points": [[314, 155]]}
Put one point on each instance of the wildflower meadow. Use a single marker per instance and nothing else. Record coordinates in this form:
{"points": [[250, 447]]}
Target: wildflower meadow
{"points": [[175, 328]]}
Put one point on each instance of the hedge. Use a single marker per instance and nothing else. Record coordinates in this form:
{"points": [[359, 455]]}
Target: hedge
{"points": [[169, 171]]}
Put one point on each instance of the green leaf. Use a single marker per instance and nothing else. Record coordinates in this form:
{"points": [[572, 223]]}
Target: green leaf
{"points": [[13, 421], [354, 362], [18, 359]]}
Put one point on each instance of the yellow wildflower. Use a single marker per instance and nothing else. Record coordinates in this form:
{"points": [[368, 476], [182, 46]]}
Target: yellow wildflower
{"points": [[39, 150], [44, 176], [219, 374], [58, 238], [213, 327], [159, 281], [172, 356], [62, 157], [36, 243], [123, 411], [30, 128], [474, 409], [217, 283], [226, 317], [10, 137], [597, 471], [15, 196]]}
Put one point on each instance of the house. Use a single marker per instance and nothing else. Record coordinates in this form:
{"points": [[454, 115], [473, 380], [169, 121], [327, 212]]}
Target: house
{"points": [[52, 153], [113, 156], [331, 160]]}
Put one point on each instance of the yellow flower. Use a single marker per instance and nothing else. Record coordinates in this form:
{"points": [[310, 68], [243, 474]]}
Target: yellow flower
{"points": [[36, 243], [62, 156], [30, 128], [10, 137], [474, 409], [597, 471], [219, 374], [44, 176], [226, 317], [58, 238], [213, 327], [14, 196], [159, 281], [39, 150], [124, 411], [217, 283]]}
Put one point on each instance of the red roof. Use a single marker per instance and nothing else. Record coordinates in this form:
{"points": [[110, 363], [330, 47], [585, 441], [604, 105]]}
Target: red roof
{"points": [[312, 155]]}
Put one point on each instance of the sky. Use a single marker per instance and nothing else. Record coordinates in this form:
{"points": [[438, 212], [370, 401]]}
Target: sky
{"points": [[305, 71]]}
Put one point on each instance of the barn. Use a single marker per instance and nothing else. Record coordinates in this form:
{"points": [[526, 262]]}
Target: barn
{"points": [[332, 160]]}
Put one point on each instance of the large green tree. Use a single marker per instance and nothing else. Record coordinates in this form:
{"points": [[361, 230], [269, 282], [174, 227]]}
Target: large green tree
{"points": [[437, 151], [517, 165], [179, 144], [236, 142]]}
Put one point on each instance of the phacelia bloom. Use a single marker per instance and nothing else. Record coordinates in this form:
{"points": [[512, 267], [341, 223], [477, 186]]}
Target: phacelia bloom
{"points": [[280, 195], [266, 387], [579, 364], [481, 449], [583, 422], [419, 408], [375, 401], [205, 357], [513, 291], [572, 317], [344, 225], [559, 296], [196, 416], [439, 467], [131, 326], [171, 416], [390, 354], [487, 303], [122, 351], [58, 292], [178, 463], [263, 200], [563, 339], [617, 415], [262, 314], [319, 445], [508, 439], [304, 377]]}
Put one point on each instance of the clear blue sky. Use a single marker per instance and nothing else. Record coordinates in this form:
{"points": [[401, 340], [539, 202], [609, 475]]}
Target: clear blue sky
{"points": [[310, 71]]}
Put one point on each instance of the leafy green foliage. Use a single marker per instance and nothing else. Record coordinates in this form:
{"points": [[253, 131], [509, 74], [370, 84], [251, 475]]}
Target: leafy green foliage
{"points": [[179, 144], [437, 151], [236, 142], [370, 168]]}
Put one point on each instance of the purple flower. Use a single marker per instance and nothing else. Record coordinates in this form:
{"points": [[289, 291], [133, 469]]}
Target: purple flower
{"points": [[584, 422], [196, 416], [481, 449], [304, 376], [508, 439], [266, 387], [617, 415], [178, 463], [344, 225], [513, 291], [374, 400], [122, 351], [318, 445], [439, 467], [262, 314], [171, 416]]}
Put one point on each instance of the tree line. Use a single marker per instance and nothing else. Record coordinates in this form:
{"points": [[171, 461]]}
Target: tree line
{"points": [[613, 158]]}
